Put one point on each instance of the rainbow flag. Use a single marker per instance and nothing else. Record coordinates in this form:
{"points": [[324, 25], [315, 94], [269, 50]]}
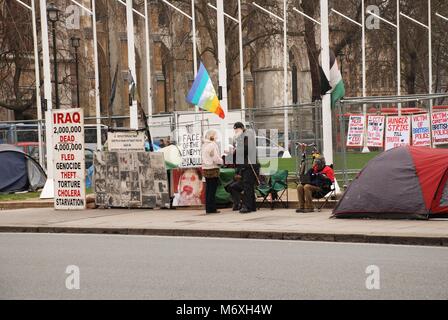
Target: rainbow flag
{"points": [[203, 94]]}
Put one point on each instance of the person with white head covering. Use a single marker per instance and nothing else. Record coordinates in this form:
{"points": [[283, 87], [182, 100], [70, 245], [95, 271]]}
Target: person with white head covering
{"points": [[211, 162]]}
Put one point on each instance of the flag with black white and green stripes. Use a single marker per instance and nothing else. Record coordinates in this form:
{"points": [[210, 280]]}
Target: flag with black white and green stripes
{"points": [[335, 86]]}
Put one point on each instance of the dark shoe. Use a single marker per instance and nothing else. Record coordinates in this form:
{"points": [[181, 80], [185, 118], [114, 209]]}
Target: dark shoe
{"points": [[214, 212], [236, 209], [308, 210], [300, 210], [244, 211]]}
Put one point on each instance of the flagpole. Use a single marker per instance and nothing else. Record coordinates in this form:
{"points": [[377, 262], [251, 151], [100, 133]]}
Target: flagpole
{"points": [[398, 57], [148, 64], [240, 36], [48, 191], [242, 82], [326, 99], [430, 54], [284, 20], [195, 53], [285, 75], [131, 62], [193, 25], [37, 76], [364, 81], [222, 66], [99, 143]]}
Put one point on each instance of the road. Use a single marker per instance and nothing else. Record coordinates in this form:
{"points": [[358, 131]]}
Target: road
{"points": [[33, 266]]}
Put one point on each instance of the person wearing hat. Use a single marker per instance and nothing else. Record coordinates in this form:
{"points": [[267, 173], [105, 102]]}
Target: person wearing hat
{"points": [[320, 178], [247, 169]]}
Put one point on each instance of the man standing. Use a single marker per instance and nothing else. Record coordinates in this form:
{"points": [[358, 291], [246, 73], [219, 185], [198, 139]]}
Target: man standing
{"points": [[247, 170]]}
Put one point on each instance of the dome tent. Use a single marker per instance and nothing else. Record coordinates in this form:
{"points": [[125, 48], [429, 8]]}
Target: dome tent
{"points": [[402, 183], [19, 171]]}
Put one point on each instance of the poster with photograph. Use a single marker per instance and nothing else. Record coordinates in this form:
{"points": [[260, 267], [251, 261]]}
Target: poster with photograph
{"points": [[356, 127], [440, 128], [188, 187], [421, 131], [131, 180], [398, 132], [375, 131]]}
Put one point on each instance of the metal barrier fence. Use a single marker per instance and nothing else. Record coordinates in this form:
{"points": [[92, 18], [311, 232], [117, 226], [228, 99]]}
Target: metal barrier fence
{"points": [[349, 161], [305, 123]]}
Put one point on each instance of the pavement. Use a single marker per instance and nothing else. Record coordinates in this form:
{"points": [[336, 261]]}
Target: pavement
{"points": [[281, 224], [34, 266]]}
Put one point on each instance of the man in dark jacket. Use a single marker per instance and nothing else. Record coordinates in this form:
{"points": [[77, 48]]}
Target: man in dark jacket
{"points": [[320, 177], [247, 170]]}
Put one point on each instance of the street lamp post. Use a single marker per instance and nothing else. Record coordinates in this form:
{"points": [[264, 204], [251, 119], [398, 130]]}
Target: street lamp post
{"points": [[75, 44], [53, 16]]}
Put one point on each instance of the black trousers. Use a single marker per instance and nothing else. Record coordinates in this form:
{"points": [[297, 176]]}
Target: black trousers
{"points": [[211, 185], [249, 181], [243, 192]]}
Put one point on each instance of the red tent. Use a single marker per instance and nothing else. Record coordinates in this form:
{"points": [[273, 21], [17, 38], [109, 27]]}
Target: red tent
{"points": [[406, 182]]}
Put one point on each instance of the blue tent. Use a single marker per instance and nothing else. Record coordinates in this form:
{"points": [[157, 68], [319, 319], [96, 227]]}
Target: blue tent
{"points": [[19, 171]]}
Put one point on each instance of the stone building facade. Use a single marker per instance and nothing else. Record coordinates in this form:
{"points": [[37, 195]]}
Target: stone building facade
{"points": [[172, 60]]}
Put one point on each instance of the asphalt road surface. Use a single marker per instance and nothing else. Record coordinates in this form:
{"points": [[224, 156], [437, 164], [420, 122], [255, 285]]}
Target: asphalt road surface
{"points": [[33, 266]]}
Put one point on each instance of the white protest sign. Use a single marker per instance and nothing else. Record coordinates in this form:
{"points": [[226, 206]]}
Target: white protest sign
{"points": [[69, 159], [440, 128], [421, 131], [398, 132], [190, 140], [375, 131], [356, 127], [120, 141]]}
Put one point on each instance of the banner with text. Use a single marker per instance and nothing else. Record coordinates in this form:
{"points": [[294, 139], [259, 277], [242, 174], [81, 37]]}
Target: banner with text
{"points": [[440, 128], [421, 130], [69, 159], [375, 131], [190, 144], [356, 128], [398, 132], [121, 141]]}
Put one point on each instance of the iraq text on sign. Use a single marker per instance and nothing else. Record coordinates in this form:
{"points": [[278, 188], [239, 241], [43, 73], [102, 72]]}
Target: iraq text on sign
{"points": [[69, 159]]}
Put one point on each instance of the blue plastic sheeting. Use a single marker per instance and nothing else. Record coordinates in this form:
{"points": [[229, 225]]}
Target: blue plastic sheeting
{"points": [[89, 177]]}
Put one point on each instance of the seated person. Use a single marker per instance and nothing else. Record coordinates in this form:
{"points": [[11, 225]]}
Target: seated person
{"points": [[319, 181]]}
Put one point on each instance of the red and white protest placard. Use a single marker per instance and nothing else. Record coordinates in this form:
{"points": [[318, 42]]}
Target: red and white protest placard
{"points": [[440, 128], [421, 130], [69, 159], [356, 127], [398, 132], [375, 131]]}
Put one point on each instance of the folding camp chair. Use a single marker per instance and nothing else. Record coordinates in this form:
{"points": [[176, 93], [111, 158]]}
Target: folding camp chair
{"points": [[322, 202], [274, 189]]}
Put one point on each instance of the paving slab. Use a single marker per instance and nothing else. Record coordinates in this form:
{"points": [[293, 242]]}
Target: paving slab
{"points": [[265, 224]]}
